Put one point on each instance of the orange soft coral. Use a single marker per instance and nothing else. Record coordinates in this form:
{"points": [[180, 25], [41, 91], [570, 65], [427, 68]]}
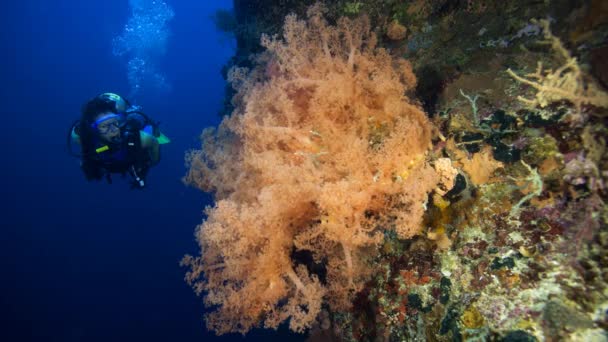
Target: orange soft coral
{"points": [[323, 152]]}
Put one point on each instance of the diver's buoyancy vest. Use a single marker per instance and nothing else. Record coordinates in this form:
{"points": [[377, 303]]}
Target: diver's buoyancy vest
{"points": [[120, 157]]}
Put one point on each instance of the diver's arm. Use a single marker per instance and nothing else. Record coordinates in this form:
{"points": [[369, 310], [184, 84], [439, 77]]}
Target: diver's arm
{"points": [[74, 136]]}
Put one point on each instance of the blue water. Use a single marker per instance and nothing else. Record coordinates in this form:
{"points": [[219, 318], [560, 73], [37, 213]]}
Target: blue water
{"points": [[91, 261]]}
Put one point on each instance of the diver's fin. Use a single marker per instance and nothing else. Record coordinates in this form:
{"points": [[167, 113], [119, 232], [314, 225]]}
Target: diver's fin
{"points": [[163, 139]]}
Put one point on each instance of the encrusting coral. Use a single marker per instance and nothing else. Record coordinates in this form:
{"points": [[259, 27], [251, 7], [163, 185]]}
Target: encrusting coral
{"points": [[322, 155]]}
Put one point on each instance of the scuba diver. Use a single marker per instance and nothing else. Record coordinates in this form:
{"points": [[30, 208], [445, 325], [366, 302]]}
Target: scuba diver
{"points": [[115, 137]]}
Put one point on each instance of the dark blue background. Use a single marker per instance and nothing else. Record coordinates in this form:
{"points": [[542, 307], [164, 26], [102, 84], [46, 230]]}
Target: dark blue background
{"points": [[91, 261]]}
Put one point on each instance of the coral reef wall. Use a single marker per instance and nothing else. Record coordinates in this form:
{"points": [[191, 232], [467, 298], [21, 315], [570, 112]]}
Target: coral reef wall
{"points": [[410, 170]]}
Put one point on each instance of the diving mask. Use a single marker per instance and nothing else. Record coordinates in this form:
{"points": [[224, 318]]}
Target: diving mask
{"points": [[108, 123]]}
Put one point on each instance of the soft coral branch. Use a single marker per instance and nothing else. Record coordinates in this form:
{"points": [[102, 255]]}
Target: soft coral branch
{"points": [[321, 154]]}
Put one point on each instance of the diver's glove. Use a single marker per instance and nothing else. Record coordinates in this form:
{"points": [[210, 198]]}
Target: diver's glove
{"points": [[134, 109], [135, 121]]}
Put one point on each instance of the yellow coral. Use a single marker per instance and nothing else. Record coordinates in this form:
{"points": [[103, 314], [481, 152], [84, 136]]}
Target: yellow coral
{"points": [[480, 167], [396, 31], [567, 82], [411, 166], [471, 318]]}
